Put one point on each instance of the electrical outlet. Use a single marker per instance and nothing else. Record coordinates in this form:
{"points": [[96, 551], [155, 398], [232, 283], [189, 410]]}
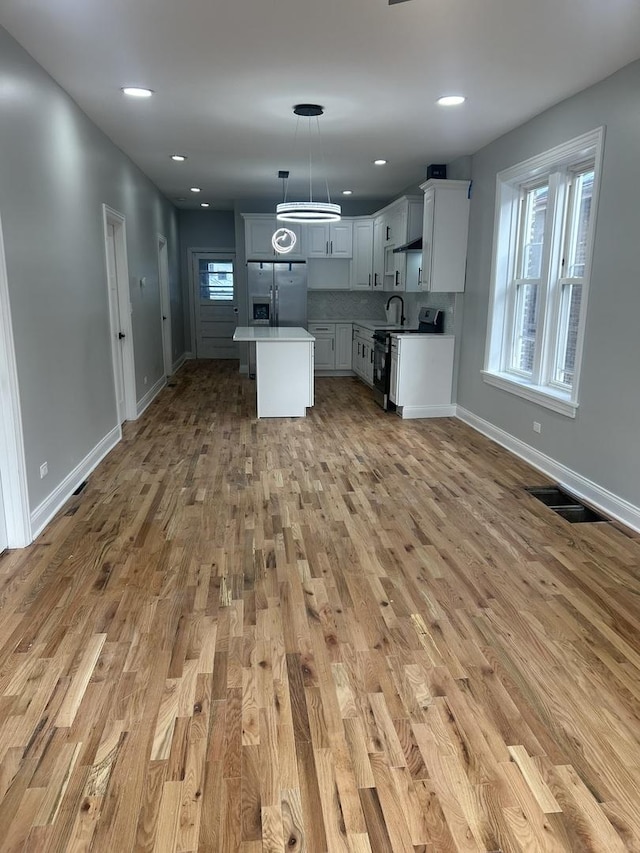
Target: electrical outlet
{"points": [[44, 470], [537, 427]]}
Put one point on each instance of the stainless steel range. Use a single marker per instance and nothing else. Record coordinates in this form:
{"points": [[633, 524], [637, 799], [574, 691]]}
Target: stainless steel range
{"points": [[430, 322]]}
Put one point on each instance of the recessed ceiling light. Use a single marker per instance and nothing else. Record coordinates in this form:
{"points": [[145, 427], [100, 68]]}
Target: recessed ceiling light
{"points": [[451, 100], [379, 162], [204, 204], [347, 192], [179, 158], [195, 189], [136, 92]]}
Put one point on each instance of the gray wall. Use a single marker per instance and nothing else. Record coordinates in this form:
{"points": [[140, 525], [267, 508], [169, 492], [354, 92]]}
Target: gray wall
{"points": [[56, 171], [602, 442]]}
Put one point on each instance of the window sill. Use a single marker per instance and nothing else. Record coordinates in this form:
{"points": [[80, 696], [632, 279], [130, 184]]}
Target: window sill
{"points": [[542, 395]]}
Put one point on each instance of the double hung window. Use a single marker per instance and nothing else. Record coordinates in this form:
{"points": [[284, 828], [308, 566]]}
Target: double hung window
{"points": [[545, 219]]}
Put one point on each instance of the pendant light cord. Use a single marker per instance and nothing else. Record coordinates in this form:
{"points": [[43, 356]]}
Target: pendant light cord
{"points": [[310, 162], [308, 211], [285, 181], [293, 150], [324, 162]]}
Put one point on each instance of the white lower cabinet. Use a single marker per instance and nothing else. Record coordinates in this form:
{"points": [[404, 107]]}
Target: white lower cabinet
{"points": [[362, 353], [343, 346], [393, 378], [333, 345], [421, 380], [325, 357]]}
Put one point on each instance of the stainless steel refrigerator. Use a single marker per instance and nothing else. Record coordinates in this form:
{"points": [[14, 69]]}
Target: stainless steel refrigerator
{"points": [[277, 296]]}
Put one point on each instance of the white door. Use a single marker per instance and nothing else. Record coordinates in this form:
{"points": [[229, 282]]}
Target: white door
{"points": [[165, 305], [324, 354], [341, 240], [116, 325], [3, 526], [318, 241], [216, 308]]}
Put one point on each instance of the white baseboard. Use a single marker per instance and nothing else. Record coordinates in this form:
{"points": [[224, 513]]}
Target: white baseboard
{"points": [[189, 356], [175, 367], [334, 373], [427, 411], [151, 394], [43, 513], [583, 488]]}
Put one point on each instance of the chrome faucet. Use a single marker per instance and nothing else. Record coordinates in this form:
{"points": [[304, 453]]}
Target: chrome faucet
{"points": [[396, 296]]}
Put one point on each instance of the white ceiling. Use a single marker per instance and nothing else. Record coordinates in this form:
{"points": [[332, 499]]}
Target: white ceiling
{"points": [[227, 74]]}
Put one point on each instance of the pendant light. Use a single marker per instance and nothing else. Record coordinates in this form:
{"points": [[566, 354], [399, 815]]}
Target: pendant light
{"points": [[309, 211]]}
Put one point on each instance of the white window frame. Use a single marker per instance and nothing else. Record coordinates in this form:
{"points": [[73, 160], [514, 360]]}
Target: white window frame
{"points": [[555, 165], [227, 298]]}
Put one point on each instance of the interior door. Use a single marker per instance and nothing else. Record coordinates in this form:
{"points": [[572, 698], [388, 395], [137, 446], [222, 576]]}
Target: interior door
{"points": [[116, 325], [216, 305], [165, 306], [3, 525]]}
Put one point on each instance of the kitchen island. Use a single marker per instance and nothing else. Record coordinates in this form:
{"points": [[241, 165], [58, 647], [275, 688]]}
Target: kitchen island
{"points": [[284, 369]]}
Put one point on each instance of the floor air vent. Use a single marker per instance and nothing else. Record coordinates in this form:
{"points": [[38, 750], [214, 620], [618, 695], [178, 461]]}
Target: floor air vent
{"points": [[564, 504]]}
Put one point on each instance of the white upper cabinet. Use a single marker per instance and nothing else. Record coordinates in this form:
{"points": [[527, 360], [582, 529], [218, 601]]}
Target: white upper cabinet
{"points": [[330, 240], [402, 223], [444, 235], [379, 234], [362, 263], [259, 228]]}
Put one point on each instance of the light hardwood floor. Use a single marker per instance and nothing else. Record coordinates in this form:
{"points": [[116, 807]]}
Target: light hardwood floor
{"points": [[340, 633]]}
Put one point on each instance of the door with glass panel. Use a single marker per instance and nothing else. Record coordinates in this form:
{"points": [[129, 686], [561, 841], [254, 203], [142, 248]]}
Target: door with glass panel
{"points": [[215, 303]]}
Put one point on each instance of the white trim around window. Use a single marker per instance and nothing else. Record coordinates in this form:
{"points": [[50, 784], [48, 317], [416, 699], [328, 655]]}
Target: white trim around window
{"points": [[543, 239]]}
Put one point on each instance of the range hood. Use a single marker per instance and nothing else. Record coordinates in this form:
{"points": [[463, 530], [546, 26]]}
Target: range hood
{"points": [[412, 246]]}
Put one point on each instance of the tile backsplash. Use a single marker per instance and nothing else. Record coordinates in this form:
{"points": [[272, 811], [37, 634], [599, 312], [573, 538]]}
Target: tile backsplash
{"points": [[346, 305], [370, 305]]}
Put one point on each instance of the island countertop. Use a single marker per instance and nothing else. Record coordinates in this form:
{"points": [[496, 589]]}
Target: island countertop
{"points": [[262, 334]]}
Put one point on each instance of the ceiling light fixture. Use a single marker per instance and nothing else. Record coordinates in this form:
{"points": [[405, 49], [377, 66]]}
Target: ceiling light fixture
{"points": [[204, 204], [309, 211], [347, 192], [179, 158], [451, 100], [195, 189], [379, 162], [136, 92]]}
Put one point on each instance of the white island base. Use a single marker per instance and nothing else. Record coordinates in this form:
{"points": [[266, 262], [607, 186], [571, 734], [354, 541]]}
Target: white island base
{"points": [[284, 369]]}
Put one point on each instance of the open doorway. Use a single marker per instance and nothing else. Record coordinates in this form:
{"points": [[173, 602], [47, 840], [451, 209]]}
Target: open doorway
{"points": [[15, 520], [115, 241], [165, 304]]}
